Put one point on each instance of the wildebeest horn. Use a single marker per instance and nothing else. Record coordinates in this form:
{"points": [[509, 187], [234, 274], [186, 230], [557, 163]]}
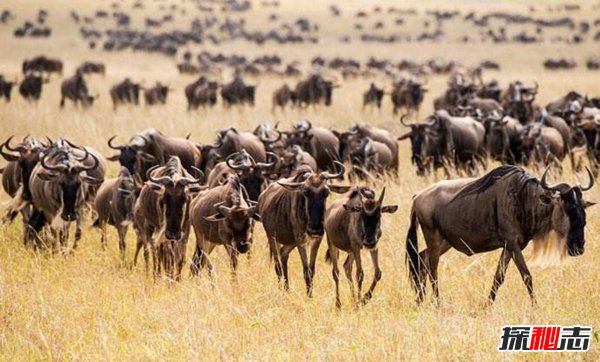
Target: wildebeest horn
{"points": [[88, 168], [217, 144], [591, 178], [561, 187], [404, 123], [339, 174], [85, 155], [184, 181], [16, 149], [263, 165], [59, 167], [380, 202], [119, 147], [7, 156], [269, 141], [50, 142], [241, 166], [309, 126], [163, 180], [74, 145], [537, 86]]}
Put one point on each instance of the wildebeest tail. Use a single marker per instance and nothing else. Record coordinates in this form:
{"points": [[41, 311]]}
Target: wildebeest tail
{"points": [[412, 250]]}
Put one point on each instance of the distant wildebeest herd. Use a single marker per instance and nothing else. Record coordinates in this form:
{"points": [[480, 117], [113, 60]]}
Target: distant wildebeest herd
{"points": [[168, 186]]}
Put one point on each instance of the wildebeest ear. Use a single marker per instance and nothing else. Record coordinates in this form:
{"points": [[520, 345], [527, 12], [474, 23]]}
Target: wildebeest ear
{"points": [[47, 176], [215, 217], [92, 180], [154, 186], [255, 215], [390, 209], [404, 136], [339, 189], [351, 208], [587, 204], [113, 158]]}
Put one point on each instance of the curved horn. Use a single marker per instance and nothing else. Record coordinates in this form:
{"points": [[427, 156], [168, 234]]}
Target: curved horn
{"points": [[590, 183], [263, 165], [163, 180], [16, 149], [89, 168], [537, 86], [119, 147], [191, 180], [561, 187], [85, 155], [339, 174], [74, 145], [7, 156], [233, 166], [404, 123], [217, 144], [59, 167], [268, 141]]}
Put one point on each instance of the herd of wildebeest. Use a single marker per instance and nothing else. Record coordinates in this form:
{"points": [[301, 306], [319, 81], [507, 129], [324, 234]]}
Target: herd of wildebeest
{"points": [[168, 186]]}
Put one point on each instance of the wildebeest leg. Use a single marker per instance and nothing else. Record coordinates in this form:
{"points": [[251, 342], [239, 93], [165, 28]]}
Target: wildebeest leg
{"points": [[285, 255], [434, 243], [62, 102], [233, 259], [103, 236], [314, 250], [348, 271], [77, 230], [122, 231], [275, 256], [376, 276], [306, 269], [360, 274], [525, 274], [500, 273], [334, 254]]}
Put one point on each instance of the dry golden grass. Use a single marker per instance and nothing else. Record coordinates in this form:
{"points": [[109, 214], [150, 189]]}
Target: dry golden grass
{"points": [[87, 306]]}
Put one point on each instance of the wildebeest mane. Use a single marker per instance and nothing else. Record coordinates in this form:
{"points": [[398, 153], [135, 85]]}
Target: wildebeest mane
{"points": [[483, 183]]}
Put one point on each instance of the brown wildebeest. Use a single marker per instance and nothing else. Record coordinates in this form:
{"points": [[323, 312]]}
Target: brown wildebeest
{"points": [[293, 209], [6, 88], [282, 96], [353, 223], [506, 208], [92, 68], [114, 204], [75, 89], [61, 183], [125, 92], [321, 143], [223, 215], [156, 95], [31, 87], [161, 217], [373, 96]]}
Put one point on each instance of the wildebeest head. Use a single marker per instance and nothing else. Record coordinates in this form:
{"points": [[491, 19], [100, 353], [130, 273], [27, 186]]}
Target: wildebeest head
{"points": [[251, 173], [423, 140], [27, 158], [369, 220], [131, 156], [238, 219], [126, 194], [568, 213], [314, 191], [69, 172], [175, 189]]}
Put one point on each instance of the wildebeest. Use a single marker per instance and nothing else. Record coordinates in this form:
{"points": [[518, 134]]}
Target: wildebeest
{"points": [[161, 217], [542, 144], [568, 106], [253, 175], [201, 93], [223, 215], [408, 95], [156, 95], [293, 209], [314, 90], [517, 101], [60, 183], [21, 158], [444, 140], [282, 96], [359, 132], [75, 89], [353, 223], [42, 64], [114, 204], [238, 92], [321, 143], [92, 68], [292, 158], [506, 208], [126, 92], [230, 141], [5, 88], [31, 87], [373, 96]]}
